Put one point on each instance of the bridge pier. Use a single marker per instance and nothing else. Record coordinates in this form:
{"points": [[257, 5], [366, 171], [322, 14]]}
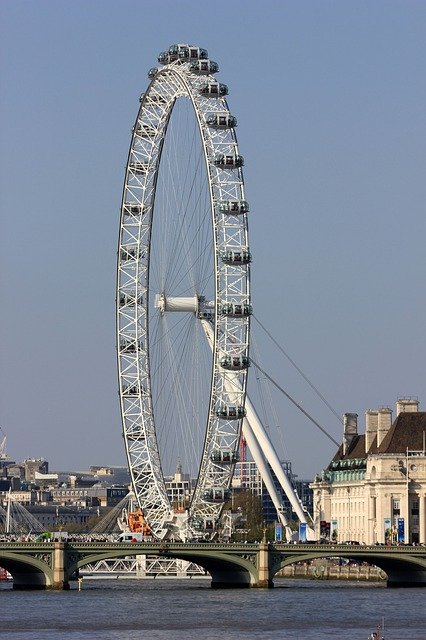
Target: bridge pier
{"points": [[264, 581], [60, 575]]}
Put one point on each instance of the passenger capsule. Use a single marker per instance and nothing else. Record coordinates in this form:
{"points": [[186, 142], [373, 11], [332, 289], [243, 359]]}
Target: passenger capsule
{"points": [[214, 90], [233, 207], [135, 433], [221, 121], [202, 524], [234, 363], [206, 314], [130, 299], [236, 256], [152, 72], [234, 310], [224, 456], [231, 412], [163, 57], [182, 53], [156, 98], [131, 390], [130, 252], [228, 161], [132, 209], [203, 67], [187, 52], [130, 346], [216, 494], [138, 168], [144, 131]]}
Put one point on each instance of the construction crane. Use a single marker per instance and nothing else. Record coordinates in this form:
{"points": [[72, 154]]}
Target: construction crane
{"points": [[3, 455]]}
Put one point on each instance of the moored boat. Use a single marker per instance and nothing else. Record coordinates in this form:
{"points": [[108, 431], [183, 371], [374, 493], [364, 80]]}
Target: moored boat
{"points": [[4, 574]]}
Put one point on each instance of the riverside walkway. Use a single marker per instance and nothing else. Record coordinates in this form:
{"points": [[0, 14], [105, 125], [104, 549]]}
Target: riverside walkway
{"points": [[51, 565]]}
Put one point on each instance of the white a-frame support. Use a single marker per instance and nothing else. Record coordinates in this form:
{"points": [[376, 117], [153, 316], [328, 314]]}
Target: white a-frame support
{"points": [[263, 453]]}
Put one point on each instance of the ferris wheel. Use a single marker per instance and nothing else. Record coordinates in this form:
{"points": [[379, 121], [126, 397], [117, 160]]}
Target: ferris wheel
{"points": [[183, 293]]}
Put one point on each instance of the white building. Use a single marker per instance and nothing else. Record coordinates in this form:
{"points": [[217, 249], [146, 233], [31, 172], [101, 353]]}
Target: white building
{"points": [[374, 489]]}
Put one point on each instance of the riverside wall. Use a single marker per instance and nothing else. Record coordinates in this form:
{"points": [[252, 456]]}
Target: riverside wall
{"points": [[330, 570]]}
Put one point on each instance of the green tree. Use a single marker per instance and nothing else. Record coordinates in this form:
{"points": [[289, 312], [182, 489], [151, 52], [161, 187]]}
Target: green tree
{"points": [[251, 524]]}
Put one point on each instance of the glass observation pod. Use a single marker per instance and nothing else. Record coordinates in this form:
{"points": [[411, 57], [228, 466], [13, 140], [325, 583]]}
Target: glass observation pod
{"points": [[203, 67], [182, 52], [130, 299], [156, 98], [131, 390], [225, 456], [236, 256], [138, 167], [130, 346], [228, 162], [221, 121], [214, 89], [234, 310], [206, 314], [216, 494], [234, 363], [135, 434], [234, 207], [200, 524], [231, 412], [131, 252], [131, 209], [144, 131], [152, 72]]}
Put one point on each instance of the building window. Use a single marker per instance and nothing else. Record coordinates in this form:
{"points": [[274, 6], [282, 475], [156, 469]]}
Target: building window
{"points": [[415, 508]]}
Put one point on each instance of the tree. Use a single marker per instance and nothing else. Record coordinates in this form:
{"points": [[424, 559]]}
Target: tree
{"points": [[250, 507]]}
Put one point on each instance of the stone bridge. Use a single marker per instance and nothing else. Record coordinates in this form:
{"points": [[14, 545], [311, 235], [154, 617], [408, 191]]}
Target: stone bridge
{"points": [[51, 565]]}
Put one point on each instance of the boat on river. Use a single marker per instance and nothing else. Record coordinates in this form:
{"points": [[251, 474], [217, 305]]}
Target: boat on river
{"points": [[379, 634], [4, 575]]}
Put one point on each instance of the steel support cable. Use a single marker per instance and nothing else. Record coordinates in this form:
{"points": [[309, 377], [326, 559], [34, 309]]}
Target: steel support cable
{"points": [[319, 394], [296, 404], [262, 392]]}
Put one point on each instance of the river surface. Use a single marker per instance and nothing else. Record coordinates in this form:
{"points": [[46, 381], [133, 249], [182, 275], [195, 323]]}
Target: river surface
{"points": [[190, 610]]}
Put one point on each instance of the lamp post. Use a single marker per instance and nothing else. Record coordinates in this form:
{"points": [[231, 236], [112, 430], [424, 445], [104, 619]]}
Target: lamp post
{"points": [[348, 489]]}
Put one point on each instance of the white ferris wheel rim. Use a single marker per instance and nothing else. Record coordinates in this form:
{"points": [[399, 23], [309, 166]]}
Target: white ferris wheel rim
{"points": [[229, 332]]}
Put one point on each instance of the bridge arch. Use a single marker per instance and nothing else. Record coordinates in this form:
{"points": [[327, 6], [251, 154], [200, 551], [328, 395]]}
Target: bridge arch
{"points": [[401, 570], [226, 569], [29, 571]]}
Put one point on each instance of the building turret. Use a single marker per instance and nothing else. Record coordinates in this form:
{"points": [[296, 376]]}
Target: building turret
{"points": [[371, 419], [350, 430], [407, 405], [384, 423]]}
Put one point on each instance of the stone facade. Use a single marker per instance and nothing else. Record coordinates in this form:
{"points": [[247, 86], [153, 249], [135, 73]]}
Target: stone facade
{"points": [[374, 489]]}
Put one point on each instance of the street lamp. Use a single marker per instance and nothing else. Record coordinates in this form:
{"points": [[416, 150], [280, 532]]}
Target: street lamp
{"points": [[348, 489]]}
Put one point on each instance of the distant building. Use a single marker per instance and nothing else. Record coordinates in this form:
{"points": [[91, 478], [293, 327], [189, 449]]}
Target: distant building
{"points": [[374, 489], [247, 476], [55, 518], [179, 488], [33, 466]]}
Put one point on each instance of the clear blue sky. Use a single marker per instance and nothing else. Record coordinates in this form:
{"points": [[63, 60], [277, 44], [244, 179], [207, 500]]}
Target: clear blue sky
{"points": [[330, 98]]}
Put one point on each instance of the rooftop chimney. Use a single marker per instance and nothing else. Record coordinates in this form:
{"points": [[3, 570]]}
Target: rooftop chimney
{"points": [[384, 423], [371, 420], [350, 430], [406, 405]]}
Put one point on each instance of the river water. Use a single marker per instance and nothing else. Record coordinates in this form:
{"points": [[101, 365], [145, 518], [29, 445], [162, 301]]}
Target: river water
{"points": [[175, 609]]}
